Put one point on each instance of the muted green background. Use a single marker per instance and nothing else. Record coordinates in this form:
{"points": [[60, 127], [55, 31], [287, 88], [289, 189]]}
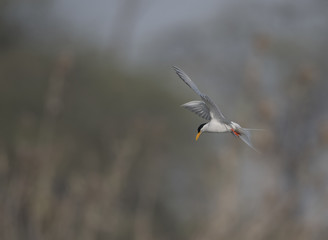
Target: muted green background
{"points": [[94, 145]]}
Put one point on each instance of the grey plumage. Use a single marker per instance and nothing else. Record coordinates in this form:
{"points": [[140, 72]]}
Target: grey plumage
{"points": [[211, 108], [198, 107]]}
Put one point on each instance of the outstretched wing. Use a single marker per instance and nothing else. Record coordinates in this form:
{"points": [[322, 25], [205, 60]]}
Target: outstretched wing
{"points": [[199, 108], [213, 109]]}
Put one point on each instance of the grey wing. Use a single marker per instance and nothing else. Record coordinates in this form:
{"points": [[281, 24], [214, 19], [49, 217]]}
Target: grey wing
{"points": [[213, 109], [199, 108], [187, 80]]}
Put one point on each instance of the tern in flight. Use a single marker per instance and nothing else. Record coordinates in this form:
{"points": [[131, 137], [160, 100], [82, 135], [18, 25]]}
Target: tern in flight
{"points": [[208, 110]]}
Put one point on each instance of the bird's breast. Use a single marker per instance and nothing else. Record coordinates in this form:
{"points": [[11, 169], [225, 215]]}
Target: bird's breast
{"points": [[216, 126]]}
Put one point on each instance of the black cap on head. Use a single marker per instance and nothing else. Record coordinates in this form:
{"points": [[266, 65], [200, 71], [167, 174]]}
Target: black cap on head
{"points": [[200, 127]]}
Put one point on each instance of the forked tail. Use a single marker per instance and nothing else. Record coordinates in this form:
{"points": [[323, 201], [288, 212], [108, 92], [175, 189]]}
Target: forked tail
{"points": [[245, 136]]}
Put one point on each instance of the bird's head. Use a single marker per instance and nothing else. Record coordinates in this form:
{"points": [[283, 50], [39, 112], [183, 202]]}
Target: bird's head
{"points": [[200, 129]]}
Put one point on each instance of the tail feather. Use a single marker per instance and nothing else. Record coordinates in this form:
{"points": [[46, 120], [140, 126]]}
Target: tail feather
{"points": [[254, 129], [245, 136]]}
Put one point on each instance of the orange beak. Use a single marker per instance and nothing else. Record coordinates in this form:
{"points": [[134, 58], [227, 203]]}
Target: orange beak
{"points": [[198, 134]]}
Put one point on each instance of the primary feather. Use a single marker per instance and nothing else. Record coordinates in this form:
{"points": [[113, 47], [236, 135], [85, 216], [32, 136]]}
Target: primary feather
{"points": [[214, 111], [199, 108]]}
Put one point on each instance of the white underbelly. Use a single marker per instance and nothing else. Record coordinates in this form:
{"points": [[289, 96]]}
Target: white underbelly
{"points": [[215, 126]]}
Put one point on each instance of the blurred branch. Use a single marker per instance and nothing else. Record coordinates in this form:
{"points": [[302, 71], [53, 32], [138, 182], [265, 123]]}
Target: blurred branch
{"points": [[148, 193], [45, 151]]}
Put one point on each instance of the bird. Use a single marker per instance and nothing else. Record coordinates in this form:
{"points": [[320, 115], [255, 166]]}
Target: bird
{"points": [[208, 110]]}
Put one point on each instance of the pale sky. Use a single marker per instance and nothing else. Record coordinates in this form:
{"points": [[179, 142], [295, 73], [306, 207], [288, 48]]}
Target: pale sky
{"points": [[97, 17]]}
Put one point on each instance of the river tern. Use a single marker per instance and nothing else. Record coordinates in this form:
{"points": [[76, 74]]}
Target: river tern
{"points": [[209, 111]]}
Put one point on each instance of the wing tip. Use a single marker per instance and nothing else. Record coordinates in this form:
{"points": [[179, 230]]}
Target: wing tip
{"points": [[176, 68], [179, 71]]}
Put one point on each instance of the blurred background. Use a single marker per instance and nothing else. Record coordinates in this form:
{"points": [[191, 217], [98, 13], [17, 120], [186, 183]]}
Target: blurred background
{"points": [[94, 144]]}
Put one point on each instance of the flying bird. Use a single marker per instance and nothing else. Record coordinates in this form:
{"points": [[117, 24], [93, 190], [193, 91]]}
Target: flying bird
{"points": [[209, 111]]}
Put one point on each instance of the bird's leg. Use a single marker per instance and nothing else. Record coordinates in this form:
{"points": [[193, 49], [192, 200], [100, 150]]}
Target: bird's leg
{"points": [[237, 134]]}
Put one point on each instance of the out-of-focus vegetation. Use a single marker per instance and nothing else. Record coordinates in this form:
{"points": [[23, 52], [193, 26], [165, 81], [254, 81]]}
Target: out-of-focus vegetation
{"points": [[91, 148], [83, 146]]}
